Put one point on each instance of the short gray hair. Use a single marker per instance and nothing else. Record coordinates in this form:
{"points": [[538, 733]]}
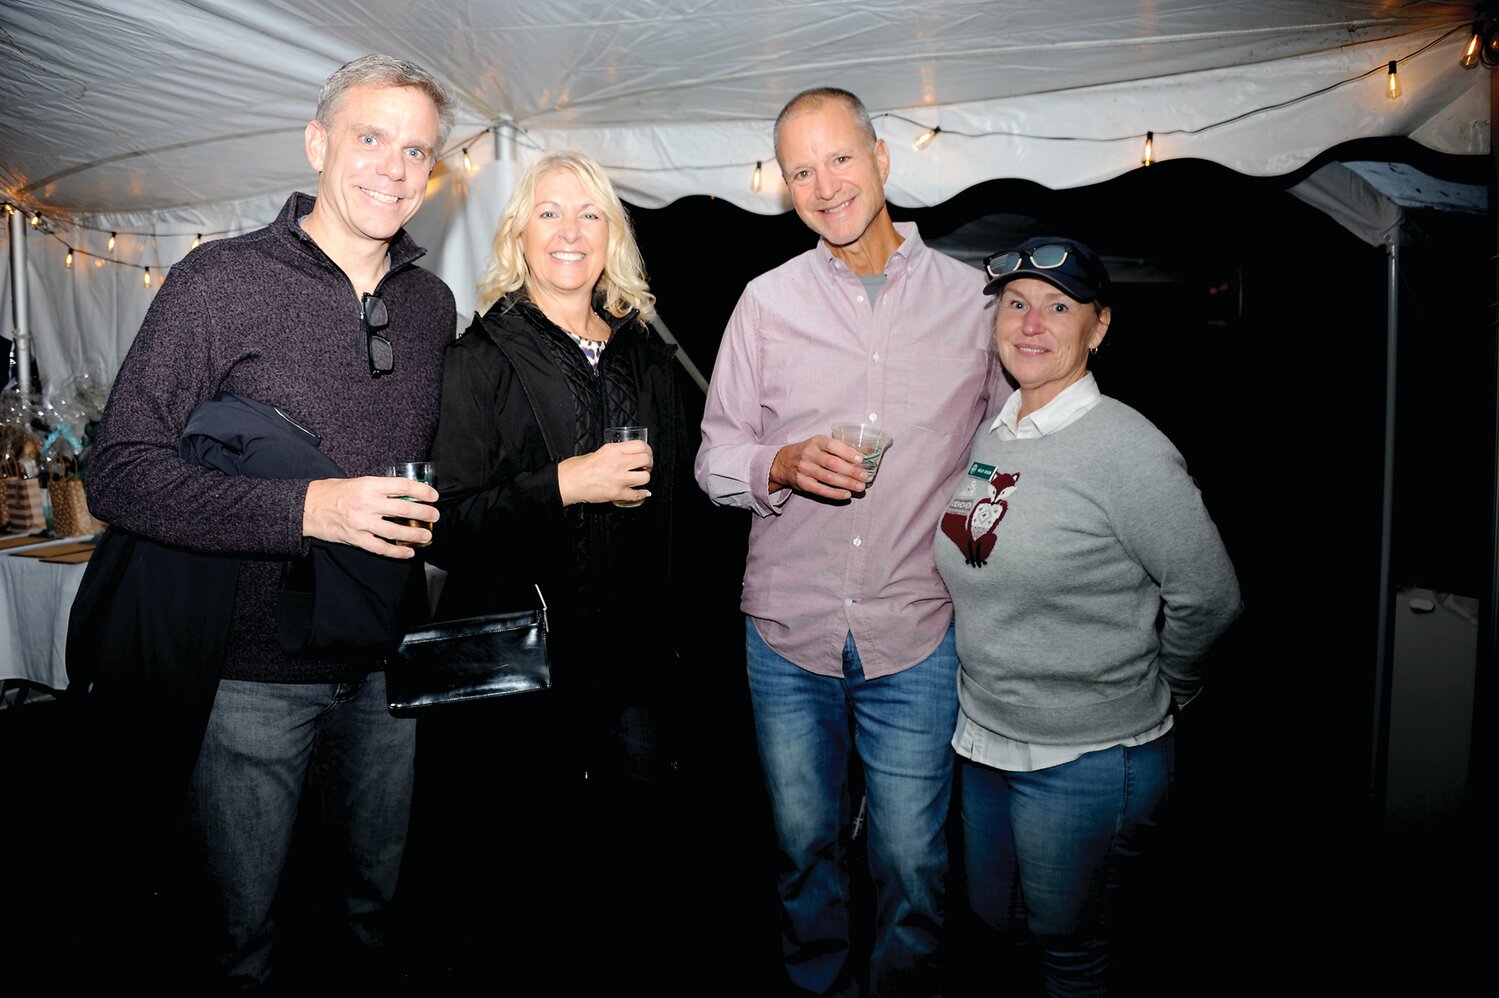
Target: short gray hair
{"points": [[811, 100], [377, 70]]}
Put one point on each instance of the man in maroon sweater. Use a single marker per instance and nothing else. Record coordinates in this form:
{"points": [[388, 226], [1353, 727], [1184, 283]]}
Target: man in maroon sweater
{"points": [[324, 315]]}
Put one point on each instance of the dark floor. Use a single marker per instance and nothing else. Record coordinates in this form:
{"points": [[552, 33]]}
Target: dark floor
{"points": [[1269, 885]]}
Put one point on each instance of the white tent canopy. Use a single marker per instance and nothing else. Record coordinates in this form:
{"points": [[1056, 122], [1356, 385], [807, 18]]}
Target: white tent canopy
{"points": [[163, 119], [1375, 200]]}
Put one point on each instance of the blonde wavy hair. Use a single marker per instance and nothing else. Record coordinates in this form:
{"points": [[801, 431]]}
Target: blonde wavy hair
{"points": [[621, 288]]}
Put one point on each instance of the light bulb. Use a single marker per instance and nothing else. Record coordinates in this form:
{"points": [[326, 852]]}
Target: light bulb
{"points": [[36, 219], [1392, 85], [111, 246], [927, 137], [197, 241], [468, 164], [1470, 54], [68, 260], [146, 278], [755, 180], [1149, 149]]}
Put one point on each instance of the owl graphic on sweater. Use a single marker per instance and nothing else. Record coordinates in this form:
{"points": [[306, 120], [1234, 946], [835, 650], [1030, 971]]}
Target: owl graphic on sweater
{"points": [[976, 511]]}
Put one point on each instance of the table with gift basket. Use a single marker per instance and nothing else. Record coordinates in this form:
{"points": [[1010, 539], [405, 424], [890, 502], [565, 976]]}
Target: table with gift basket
{"points": [[46, 535]]}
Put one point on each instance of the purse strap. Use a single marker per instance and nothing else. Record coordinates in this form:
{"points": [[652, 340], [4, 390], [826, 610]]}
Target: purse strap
{"points": [[542, 599]]}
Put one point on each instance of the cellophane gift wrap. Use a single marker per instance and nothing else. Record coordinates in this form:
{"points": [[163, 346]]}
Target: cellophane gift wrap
{"points": [[69, 418]]}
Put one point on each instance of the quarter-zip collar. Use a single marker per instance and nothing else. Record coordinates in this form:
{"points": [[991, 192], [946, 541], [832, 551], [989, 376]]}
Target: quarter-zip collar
{"points": [[403, 251]]}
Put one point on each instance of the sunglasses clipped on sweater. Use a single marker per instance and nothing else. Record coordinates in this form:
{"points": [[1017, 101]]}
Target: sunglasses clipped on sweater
{"points": [[373, 317], [1048, 256]]}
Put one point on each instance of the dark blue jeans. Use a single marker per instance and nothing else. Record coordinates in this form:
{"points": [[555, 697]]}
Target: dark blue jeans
{"points": [[247, 789], [901, 726], [1050, 849]]}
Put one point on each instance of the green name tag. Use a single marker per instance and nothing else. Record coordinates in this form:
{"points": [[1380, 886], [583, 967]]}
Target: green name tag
{"points": [[980, 470]]}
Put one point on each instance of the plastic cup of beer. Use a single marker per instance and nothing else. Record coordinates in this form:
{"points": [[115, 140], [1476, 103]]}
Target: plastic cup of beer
{"points": [[417, 471], [620, 434], [868, 440]]}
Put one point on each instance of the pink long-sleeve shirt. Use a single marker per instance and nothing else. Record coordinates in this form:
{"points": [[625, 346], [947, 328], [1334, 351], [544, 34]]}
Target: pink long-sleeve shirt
{"points": [[802, 351]]}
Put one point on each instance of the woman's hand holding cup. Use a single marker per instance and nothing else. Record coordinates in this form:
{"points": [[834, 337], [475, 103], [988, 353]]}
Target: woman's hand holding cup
{"points": [[617, 472]]}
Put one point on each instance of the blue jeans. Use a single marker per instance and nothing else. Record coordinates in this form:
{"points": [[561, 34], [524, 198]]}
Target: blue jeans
{"points": [[1051, 849], [247, 788], [901, 727]]}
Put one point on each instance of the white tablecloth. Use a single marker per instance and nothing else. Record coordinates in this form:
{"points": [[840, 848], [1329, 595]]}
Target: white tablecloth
{"points": [[35, 598]]}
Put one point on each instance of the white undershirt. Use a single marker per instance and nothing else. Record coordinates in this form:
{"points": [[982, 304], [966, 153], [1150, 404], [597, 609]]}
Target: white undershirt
{"points": [[972, 740]]}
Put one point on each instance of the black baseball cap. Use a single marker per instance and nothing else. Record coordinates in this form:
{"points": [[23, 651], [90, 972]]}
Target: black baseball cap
{"points": [[1063, 263]]}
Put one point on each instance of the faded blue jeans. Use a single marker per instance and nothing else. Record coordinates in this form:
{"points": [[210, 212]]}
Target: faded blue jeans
{"points": [[247, 789], [901, 726], [1051, 849]]}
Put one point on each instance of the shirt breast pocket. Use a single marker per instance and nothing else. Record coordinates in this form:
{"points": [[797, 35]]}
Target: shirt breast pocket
{"points": [[807, 386], [941, 394]]}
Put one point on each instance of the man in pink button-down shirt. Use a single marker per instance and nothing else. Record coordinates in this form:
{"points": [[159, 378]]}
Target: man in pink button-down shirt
{"points": [[848, 626]]}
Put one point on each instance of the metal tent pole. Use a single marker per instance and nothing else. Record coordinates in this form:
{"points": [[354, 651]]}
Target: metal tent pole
{"points": [[1488, 644], [1379, 751], [19, 306]]}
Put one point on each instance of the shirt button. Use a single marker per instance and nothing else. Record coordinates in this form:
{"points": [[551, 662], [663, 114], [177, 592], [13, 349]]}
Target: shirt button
{"points": [[848, 602], [858, 297], [858, 541], [876, 357], [874, 417]]}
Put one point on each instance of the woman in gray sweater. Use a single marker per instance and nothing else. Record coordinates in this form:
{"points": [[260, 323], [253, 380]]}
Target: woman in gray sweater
{"points": [[1088, 581]]}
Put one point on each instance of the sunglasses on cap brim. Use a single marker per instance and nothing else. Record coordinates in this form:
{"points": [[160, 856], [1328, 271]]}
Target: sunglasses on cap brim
{"points": [[1048, 256]]}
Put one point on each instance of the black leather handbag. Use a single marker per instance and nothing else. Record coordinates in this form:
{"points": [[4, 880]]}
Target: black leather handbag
{"points": [[461, 661]]}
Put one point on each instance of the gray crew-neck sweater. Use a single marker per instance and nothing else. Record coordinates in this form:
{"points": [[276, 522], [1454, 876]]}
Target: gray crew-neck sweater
{"points": [[1087, 580]]}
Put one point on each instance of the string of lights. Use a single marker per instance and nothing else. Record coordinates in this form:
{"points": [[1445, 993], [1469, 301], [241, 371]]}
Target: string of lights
{"points": [[1482, 49], [1392, 90]]}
